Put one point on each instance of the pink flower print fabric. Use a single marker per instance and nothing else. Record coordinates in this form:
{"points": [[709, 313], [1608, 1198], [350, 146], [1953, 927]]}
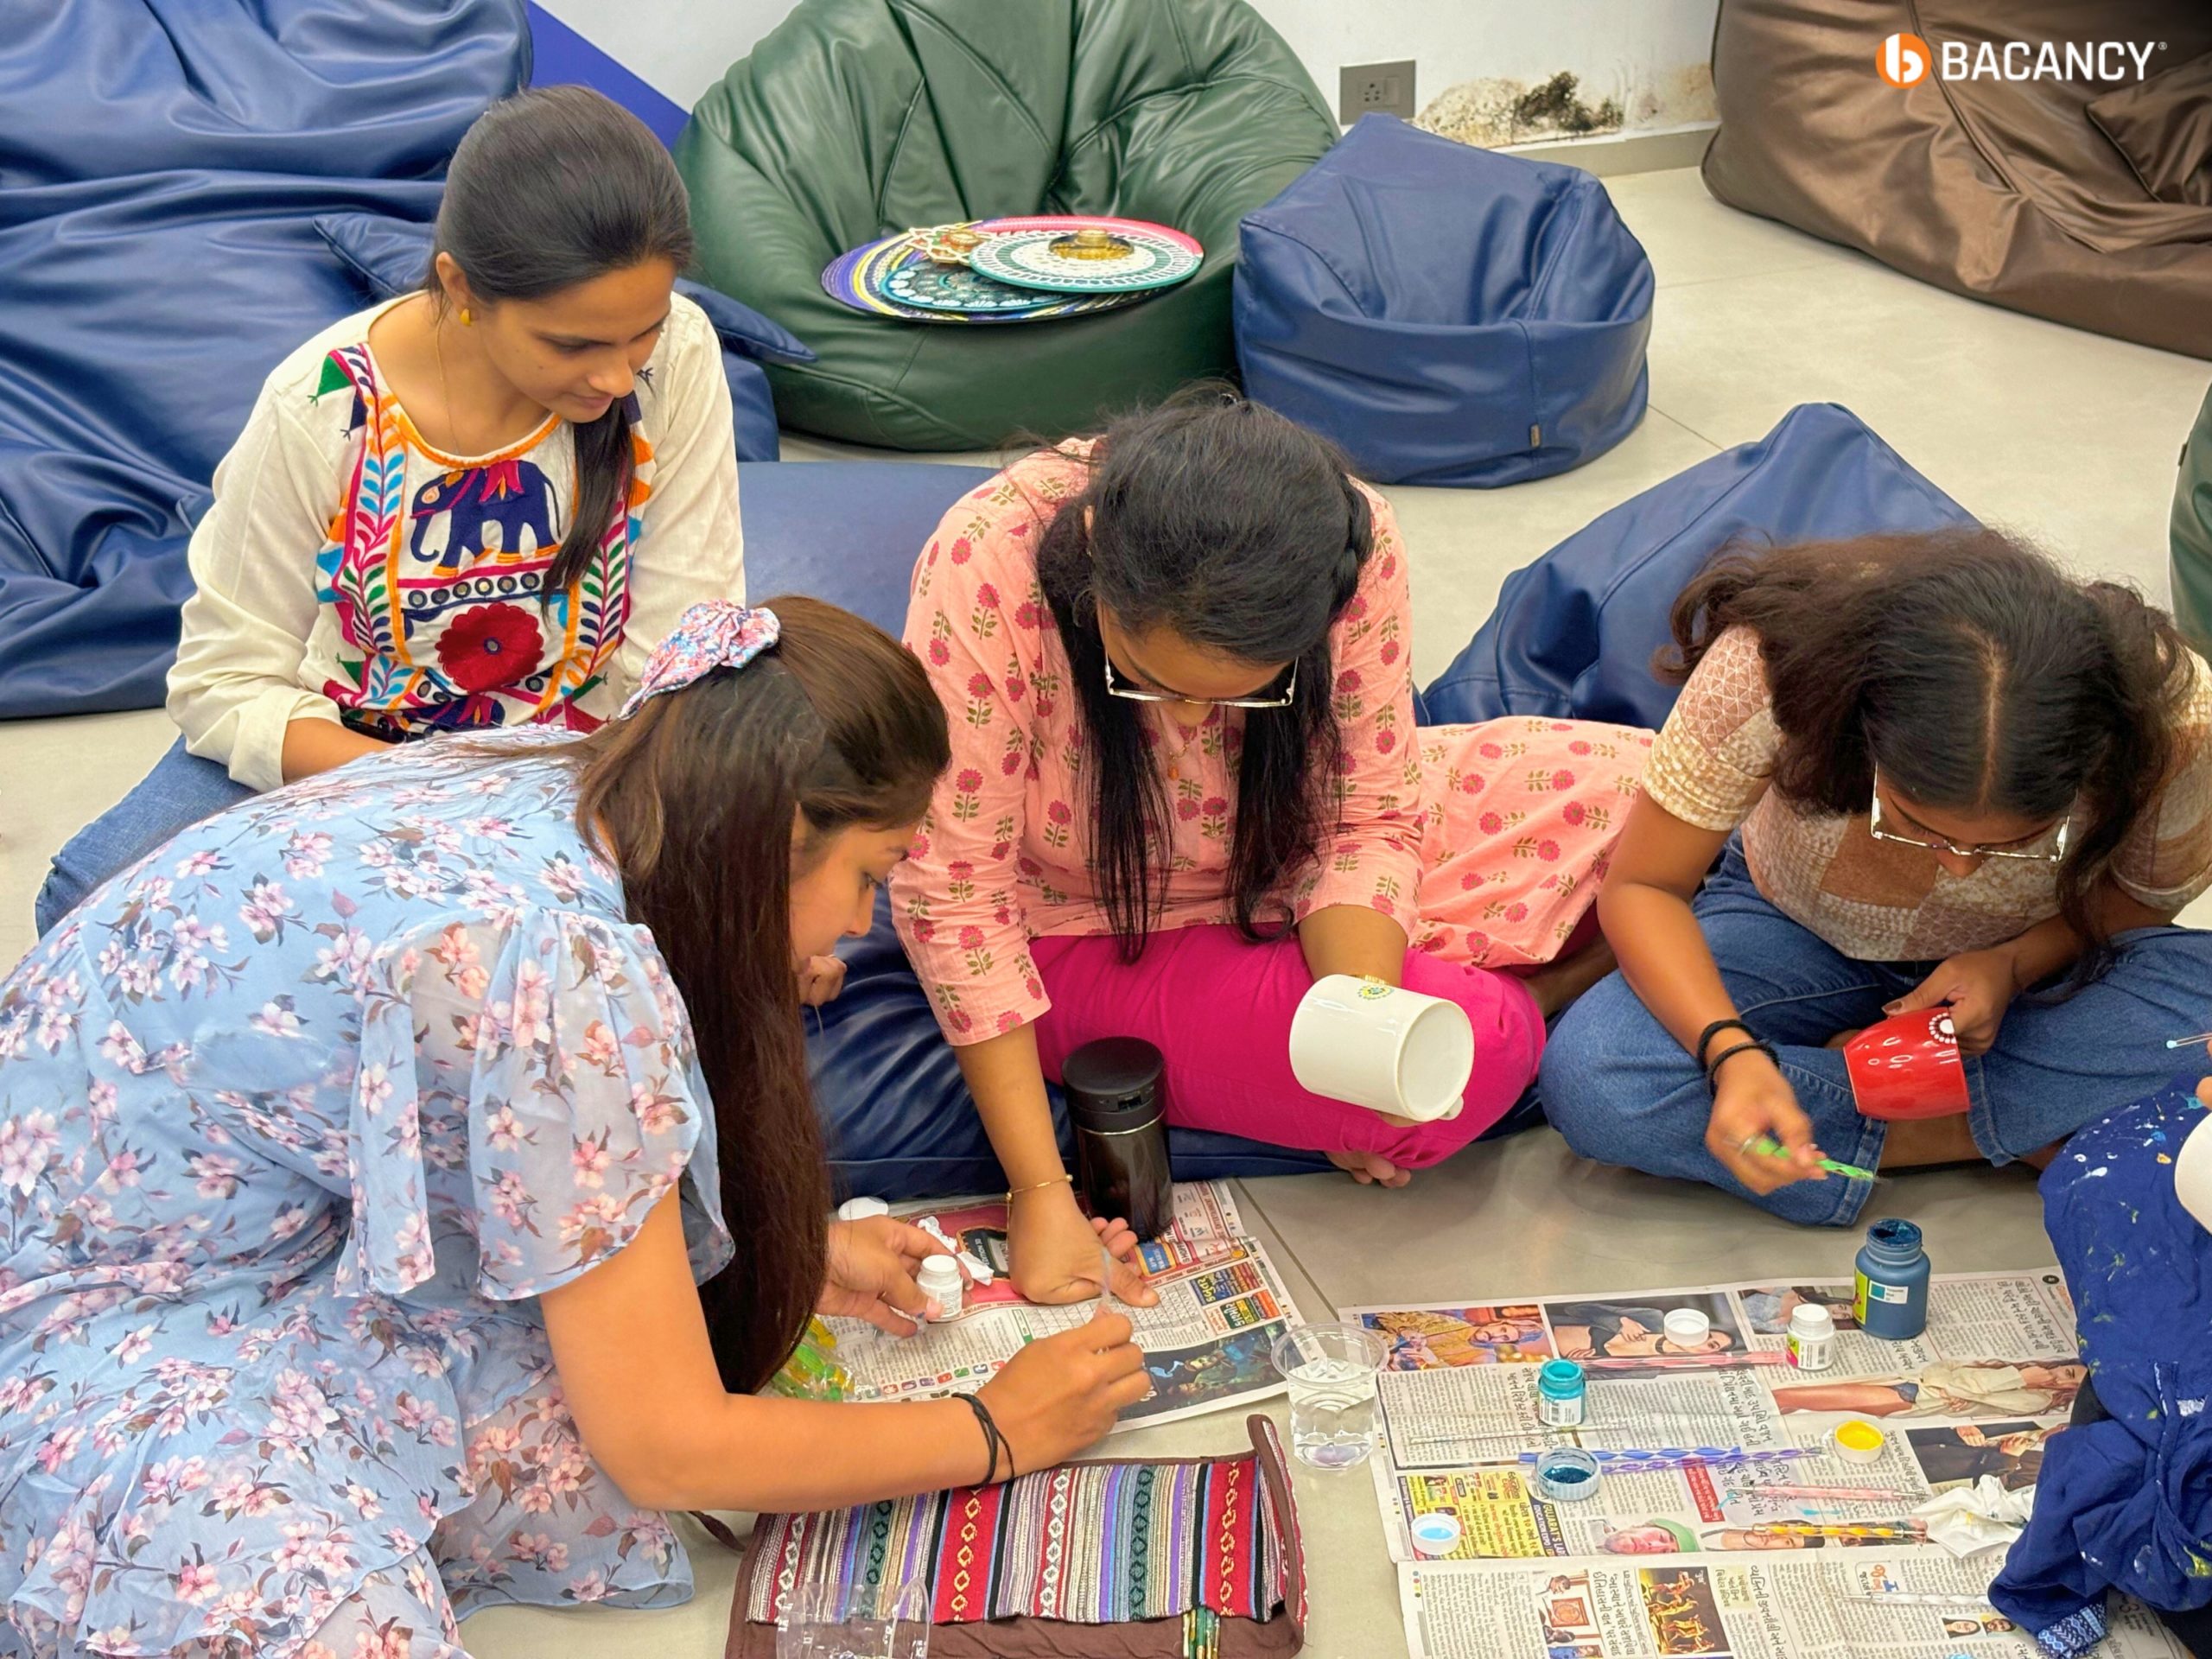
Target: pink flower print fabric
{"points": [[1004, 855]]}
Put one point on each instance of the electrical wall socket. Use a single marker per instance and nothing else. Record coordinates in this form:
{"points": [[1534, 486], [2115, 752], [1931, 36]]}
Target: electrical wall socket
{"points": [[1375, 89]]}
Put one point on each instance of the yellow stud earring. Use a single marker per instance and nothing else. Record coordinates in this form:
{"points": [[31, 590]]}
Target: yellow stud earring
{"points": [[465, 318]]}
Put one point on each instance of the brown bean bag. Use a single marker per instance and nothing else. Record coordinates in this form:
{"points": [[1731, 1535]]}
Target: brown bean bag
{"points": [[2088, 202]]}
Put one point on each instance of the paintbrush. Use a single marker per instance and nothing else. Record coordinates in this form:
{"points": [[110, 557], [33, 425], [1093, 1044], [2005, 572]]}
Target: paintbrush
{"points": [[1767, 1147]]}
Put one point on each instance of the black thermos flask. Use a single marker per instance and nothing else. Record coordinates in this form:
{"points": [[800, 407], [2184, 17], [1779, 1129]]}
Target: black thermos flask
{"points": [[1121, 1131]]}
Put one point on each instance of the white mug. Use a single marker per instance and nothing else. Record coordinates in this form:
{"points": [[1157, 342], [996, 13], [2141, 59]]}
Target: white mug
{"points": [[1383, 1047]]}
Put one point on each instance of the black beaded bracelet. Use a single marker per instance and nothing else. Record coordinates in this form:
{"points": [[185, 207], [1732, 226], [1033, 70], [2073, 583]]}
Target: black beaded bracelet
{"points": [[1705, 1038], [994, 1437], [1712, 1071]]}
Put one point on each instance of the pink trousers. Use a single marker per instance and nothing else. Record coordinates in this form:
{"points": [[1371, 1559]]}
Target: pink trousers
{"points": [[1218, 1008]]}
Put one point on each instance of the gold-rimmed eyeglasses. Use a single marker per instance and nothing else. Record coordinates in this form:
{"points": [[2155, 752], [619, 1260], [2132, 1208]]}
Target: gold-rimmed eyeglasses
{"points": [[1934, 843], [1115, 689]]}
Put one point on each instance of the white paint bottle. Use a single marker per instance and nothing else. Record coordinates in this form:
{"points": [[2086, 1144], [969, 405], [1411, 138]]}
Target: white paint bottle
{"points": [[1812, 1337], [939, 1280]]}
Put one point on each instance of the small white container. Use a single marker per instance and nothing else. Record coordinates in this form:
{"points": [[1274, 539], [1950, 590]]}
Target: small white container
{"points": [[1383, 1047], [939, 1280], [861, 1209], [1857, 1441], [1436, 1534], [1812, 1338], [1687, 1329]]}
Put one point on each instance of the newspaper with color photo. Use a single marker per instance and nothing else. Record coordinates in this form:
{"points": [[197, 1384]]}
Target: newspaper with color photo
{"points": [[1207, 1344], [1914, 1603]]}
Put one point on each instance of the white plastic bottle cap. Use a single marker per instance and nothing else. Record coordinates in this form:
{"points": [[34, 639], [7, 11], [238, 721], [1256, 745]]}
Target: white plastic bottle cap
{"points": [[1436, 1533], [1687, 1329], [861, 1209], [938, 1275]]}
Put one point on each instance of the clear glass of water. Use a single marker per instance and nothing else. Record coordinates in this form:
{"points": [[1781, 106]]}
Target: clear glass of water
{"points": [[1331, 1370], [844, 1621]]}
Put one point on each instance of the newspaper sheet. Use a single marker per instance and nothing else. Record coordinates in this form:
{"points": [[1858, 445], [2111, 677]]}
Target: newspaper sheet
{"points": [[1836, 1606], [1691, 1561], [1208, 1345]]}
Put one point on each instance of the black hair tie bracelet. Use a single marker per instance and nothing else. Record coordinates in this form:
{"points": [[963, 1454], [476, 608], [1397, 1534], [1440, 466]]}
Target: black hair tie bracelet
{"points": [[1712, 1071], [1705, 1038], [994, 1437]]}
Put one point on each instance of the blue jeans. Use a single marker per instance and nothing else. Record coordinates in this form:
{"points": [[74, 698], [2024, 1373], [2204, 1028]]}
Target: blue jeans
{"points": [[1622, 1091], [178, 791]]}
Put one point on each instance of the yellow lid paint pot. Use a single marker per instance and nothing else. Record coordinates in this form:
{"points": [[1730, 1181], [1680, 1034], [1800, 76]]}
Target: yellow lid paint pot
{"points": [[1857, 1441]]}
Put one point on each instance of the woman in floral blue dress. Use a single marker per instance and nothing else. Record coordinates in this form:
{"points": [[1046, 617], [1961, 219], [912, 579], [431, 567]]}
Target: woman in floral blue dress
{"points": [[407, 1178]]}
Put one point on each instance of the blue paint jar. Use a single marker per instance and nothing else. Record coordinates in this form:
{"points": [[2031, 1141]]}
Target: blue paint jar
{"points": [[1889, 1283], [1560, 1391]]}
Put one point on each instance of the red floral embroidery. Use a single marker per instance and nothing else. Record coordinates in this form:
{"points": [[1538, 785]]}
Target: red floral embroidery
{"points": [[487, 646]]}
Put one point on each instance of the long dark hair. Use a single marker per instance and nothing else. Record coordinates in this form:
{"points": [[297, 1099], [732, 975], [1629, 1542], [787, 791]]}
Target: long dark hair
{"points": [[1970, 669], [1241, 532], [698, 792], [552, 188]]}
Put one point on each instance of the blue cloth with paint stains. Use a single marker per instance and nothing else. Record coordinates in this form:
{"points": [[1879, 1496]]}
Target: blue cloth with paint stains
{"points": [[2124, 1503]]}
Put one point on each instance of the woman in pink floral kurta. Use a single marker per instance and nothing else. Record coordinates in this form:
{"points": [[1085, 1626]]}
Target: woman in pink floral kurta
{"points": [[1437, 857]]}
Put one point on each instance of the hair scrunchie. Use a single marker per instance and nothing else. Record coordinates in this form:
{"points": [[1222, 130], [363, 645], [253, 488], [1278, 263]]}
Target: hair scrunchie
{"points": [[713, 633]]}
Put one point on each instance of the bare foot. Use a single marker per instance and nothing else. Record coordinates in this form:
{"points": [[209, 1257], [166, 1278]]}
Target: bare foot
{"points": [[1559, 983], [2040, 1159], [1843, 1039], [1370, 1170]]}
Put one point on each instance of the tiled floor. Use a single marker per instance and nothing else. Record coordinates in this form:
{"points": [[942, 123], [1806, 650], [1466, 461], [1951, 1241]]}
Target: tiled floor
{"points": [[2065, 436]]}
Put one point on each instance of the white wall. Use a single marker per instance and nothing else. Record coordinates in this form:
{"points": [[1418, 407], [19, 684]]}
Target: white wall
{"points": [[1629, 50], [1644, 53]]}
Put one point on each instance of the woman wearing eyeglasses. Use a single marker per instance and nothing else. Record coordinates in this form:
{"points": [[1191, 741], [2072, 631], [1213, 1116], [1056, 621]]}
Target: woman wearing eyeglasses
{"points": [[1905, 772], [1186, 782]]}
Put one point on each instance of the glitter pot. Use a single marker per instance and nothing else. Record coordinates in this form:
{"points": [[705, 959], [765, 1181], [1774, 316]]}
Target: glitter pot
{"points": [[1567, 1474]]}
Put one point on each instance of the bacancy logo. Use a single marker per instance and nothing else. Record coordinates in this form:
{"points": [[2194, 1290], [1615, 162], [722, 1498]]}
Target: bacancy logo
{"points": [[1907, 60]]}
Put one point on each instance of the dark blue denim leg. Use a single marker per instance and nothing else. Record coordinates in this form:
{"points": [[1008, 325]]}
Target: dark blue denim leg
{"points": [[177, 793], [1622, 1091], [2058, 1064]]}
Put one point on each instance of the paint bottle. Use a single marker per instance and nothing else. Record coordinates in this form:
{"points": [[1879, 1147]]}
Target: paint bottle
{"points": [[861, 1209], [1561, 1393], [1889, 1284], [1812, 1337], [939, 1280]]}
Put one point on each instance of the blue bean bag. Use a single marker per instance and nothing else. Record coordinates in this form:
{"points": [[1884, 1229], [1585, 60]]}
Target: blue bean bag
{"points": [[1574, 634], [848, 532], [163, 162], [1448, 315], [389, 257]]}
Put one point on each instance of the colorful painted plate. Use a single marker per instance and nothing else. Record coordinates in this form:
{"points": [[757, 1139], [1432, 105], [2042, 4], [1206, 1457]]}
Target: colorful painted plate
{"points": [[891, 278], [1086, 259]]}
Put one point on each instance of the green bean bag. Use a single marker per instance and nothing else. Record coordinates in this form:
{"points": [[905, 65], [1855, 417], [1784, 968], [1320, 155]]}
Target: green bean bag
{"points": [[857, 119]]}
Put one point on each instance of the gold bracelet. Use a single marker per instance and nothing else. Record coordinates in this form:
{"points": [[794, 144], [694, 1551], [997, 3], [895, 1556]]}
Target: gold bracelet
{"points": [[1038, 1186]]}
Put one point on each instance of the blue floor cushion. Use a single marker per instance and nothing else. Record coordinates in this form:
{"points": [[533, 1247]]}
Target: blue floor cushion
{"points": [[1448, 315], [165, 160], [1574, 634]]}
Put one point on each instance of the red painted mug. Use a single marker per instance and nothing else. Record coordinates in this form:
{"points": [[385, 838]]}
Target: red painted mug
{"points": [[1908, 1067]]}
